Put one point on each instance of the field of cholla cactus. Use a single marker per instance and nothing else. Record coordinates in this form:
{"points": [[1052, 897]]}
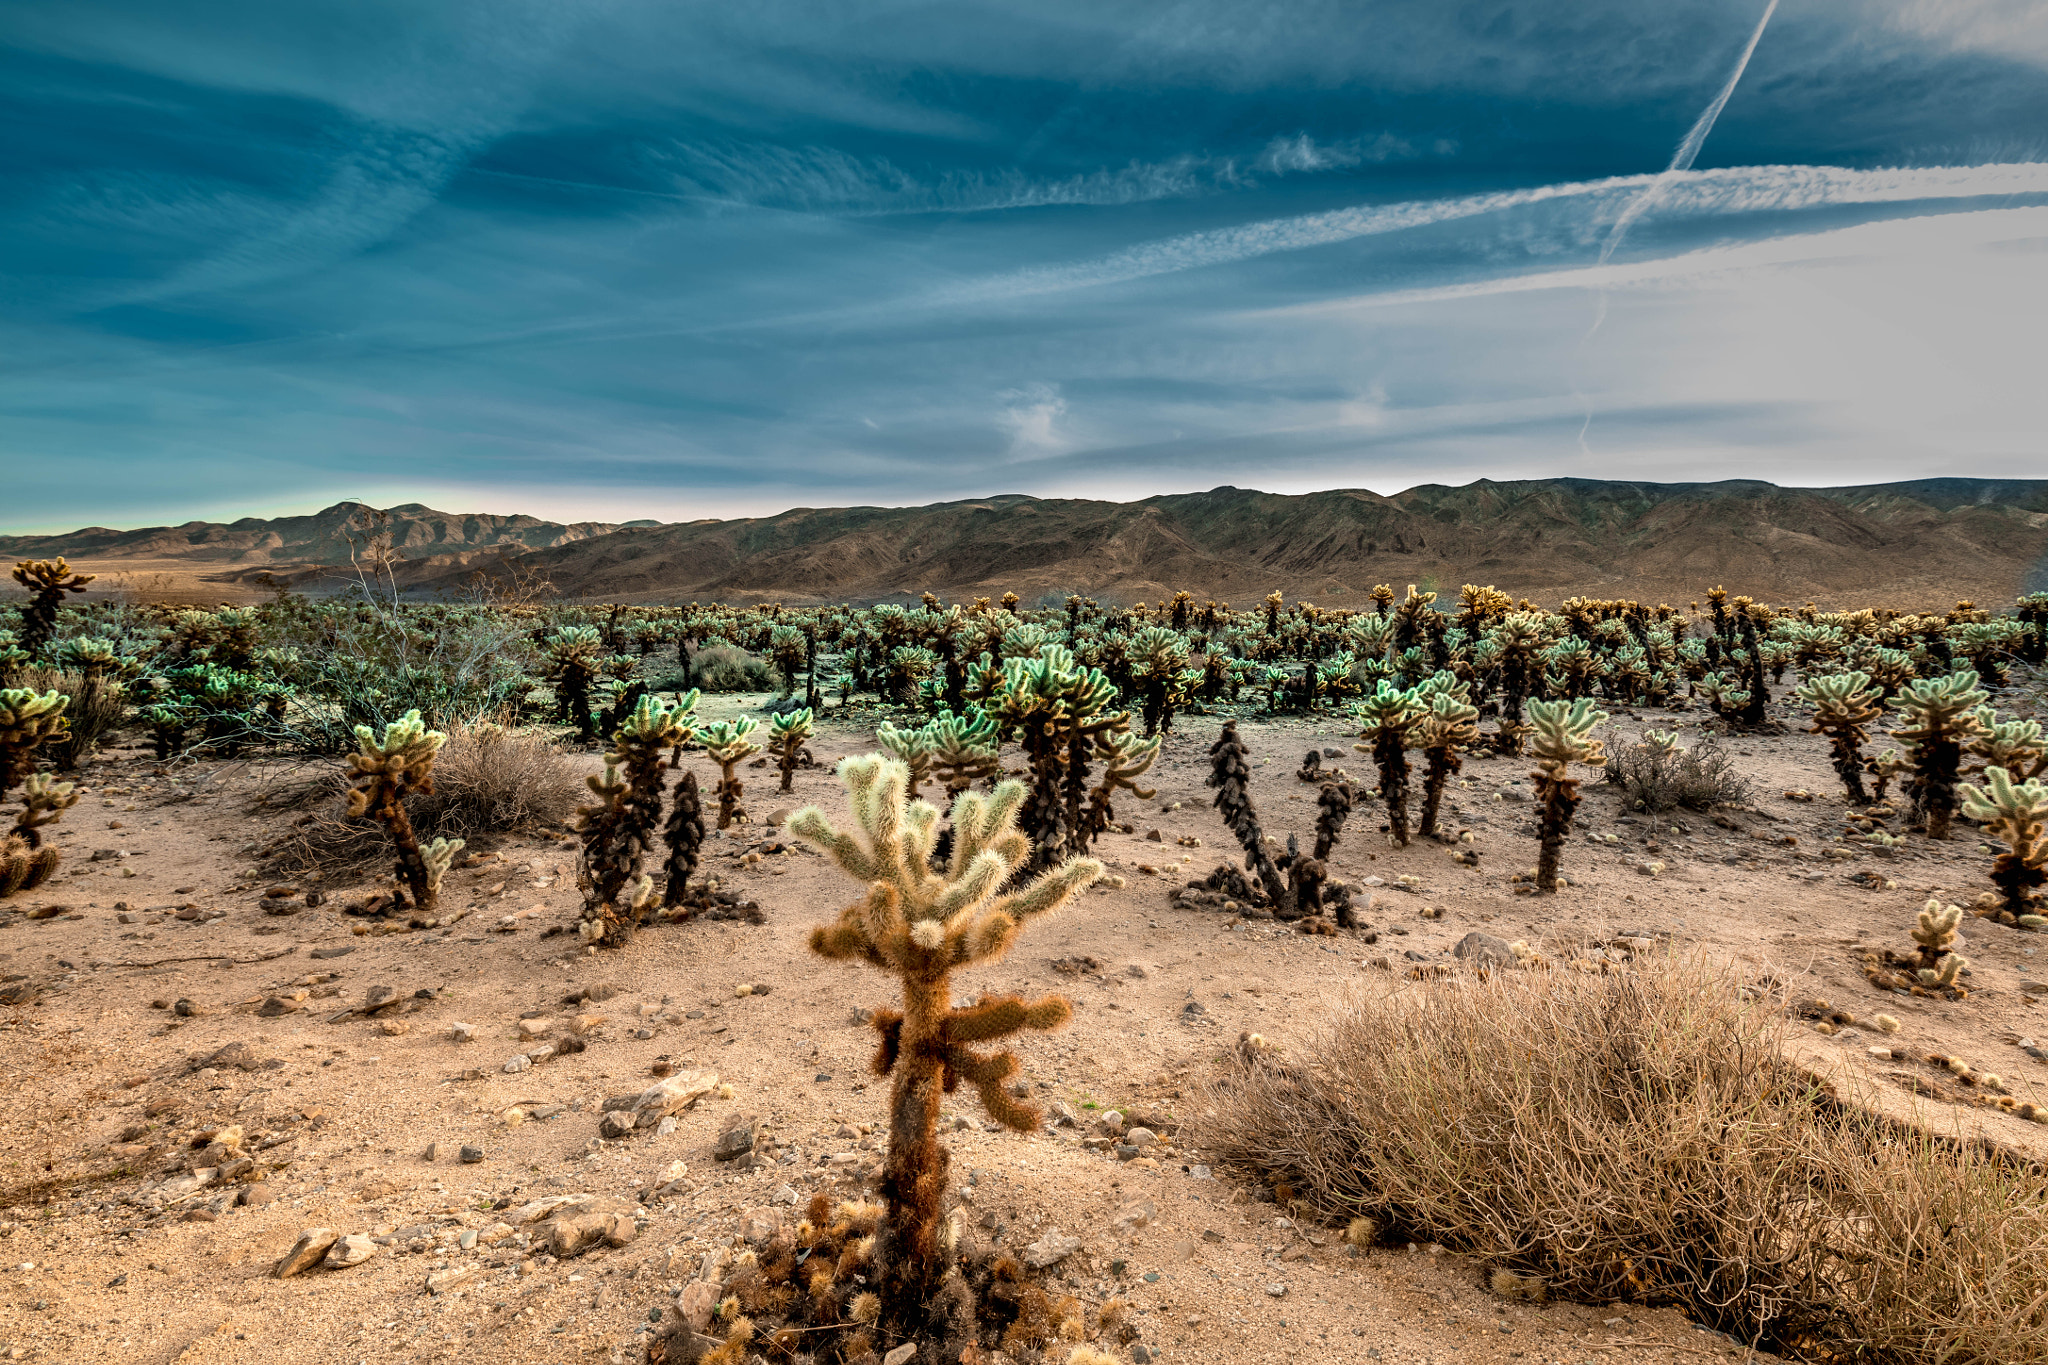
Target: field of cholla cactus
{"points": [[429, 974]]}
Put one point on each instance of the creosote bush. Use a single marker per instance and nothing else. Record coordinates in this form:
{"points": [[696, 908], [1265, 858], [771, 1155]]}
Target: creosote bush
{"points": [[486, 781], [1637, 1138], [1660, 775]]}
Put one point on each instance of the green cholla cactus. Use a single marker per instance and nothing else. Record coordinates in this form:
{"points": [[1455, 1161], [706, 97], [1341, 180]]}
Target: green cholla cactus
{"points": [[1842, 705], [910, 747], [1388, 720], [1515, 641], [1059, 710], [1661, 742], [573, 654], [1561, 734], [619, 829], [1450, 725], [383, 772], [27, 719], [921, 925], [1941, 717], [2017, 746], [787, 731], [25, 861], [1934, 930], [1159, 656], [964, 749], [2018, 814], [727, 743]]}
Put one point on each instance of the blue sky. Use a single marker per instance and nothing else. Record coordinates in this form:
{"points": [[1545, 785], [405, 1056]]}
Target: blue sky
{"points": [[619, 258]]}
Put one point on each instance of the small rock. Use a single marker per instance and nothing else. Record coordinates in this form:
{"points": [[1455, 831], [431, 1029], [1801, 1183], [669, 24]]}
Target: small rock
{"points": [[901, 1355], [1063, 1114], [737, 1140], [1140, 1138], [323, 954], [353, 1249], [277, 1006], [185, 1009], [472, 1155], [1111, 1121], [599, 993], [394, 1028], [201, 1216], [759, 1225], [462, 1033], [255, 1196], [518, 1063], [1276, 1290], [696, 1304], [379, 997], [1134, 1216], [441, 1281], [306, 1252], [1050, 1249], [535, 1028], [616, 1123], [1483, 950], [435, 1151]]}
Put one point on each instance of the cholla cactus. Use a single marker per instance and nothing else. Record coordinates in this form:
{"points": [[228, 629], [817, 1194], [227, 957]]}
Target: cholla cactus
{"points": [[727, 743], [963, 750], [1941, 717], [27, 719], [25, 861], [910, 747], [384, 772], [1450, 724], [922, 925], [1159, 656], [619, 829], [573, 654], [1387, 723], [2018, 814], [1842, 705], [2017, 746], [1934, 930], [1561, 734], [787, 731], [1514, 641], [48, 580], [684, 835], [1059, 711]]}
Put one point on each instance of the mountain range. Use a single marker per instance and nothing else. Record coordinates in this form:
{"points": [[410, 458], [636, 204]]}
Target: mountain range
{"points": [[1923, 543]]}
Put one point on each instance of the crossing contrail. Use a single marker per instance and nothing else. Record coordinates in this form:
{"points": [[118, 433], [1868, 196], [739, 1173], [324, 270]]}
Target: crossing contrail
{"points": [[1681, 162]]}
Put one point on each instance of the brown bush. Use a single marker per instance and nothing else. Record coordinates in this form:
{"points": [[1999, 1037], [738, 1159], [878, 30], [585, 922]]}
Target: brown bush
{"points": [[1698, 778], [1640, 1138], [486, 781]]}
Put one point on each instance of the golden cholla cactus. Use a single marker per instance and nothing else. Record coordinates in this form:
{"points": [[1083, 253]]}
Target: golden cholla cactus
{"points": [[1560, 734], [48, 580], [383, 772], [2016, 812], [1934, 930], [27, 719], [921, 925]]}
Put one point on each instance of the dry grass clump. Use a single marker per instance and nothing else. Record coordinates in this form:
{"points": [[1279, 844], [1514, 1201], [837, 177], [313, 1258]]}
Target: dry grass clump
{"points": [[1657, 779], [1640, 1138], [486, 781]]}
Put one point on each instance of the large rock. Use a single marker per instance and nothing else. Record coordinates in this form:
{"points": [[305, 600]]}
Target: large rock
{"points": [[1483, 950], [698, 1301], [306, 1252]]}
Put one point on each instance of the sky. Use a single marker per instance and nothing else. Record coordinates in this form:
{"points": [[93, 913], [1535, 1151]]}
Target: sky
{"points": [[655, 258]]}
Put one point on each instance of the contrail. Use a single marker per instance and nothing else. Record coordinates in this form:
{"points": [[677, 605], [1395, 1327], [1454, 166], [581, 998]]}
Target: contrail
{"points": [[1681, 162]]}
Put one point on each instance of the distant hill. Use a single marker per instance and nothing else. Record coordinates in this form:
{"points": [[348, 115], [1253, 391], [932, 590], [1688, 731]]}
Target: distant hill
{"points": [[1926, 542], [1919, 543]]}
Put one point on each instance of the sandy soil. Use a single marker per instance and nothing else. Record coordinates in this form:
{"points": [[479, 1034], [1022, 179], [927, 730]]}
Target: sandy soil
{"points": [[107, 1093]]}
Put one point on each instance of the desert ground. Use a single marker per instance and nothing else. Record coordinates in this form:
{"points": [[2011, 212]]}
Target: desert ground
{"points": [[156, 993]]}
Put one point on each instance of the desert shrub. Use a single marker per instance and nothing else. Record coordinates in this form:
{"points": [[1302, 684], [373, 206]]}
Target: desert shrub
{"points": [[1639, 1138], [728, 668], [97, 709], [1658, 778], [486, 781]]}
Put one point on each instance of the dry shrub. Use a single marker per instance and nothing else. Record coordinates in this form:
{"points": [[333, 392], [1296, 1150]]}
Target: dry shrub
{"points": [[727, 668], [486, 781], [1698, 778], [1639, 1138]]}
